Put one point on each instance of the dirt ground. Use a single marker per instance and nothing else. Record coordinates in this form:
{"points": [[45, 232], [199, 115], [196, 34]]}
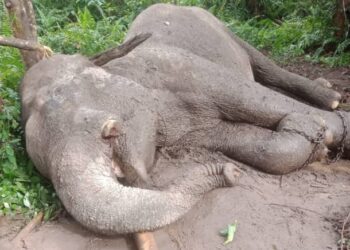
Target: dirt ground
{"points": [[298, 211], [303, 210]]}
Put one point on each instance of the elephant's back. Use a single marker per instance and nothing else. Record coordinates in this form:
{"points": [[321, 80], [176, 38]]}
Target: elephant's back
{"points": [[195, 30]]}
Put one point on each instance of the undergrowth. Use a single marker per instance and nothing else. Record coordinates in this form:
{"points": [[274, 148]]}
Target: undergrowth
{"points": [[289, 29], [285, 28], [22, 189]]}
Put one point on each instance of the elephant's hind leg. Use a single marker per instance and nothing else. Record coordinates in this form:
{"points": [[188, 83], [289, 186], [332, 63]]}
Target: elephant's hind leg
{"points": [[288, 149], [250, 102], [266, 72]]}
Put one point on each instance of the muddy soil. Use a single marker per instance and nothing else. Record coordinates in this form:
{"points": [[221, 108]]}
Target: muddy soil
{"points": [[303, 210]]}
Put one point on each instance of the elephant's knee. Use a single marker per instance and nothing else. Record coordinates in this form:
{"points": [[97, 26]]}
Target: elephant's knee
{"points": [[285, 153]]}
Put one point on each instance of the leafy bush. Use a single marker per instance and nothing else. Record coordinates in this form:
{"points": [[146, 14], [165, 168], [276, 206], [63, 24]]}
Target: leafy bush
{"points": [[290, 29], [22, 189], [85, 36]]}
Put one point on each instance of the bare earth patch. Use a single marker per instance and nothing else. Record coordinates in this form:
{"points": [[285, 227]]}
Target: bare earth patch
{"points": [[302, 210]]}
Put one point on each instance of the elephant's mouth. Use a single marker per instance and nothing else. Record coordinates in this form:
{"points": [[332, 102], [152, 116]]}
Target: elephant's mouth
{"points": [[127, 172], [117, 170], [131, 174], [128, 168], [109, 133]]}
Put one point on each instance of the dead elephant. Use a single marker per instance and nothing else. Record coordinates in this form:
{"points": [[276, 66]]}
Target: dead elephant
{"points": [[192, 83]]}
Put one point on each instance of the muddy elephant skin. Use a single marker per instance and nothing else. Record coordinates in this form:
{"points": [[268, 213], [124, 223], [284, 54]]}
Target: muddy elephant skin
{"points": [[192, 83]]}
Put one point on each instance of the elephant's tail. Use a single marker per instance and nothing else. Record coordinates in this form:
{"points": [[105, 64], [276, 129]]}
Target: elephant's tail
{"points": [[94, 197]]}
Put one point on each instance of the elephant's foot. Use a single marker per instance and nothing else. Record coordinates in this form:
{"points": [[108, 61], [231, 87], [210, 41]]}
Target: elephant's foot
{"points": [[312, 127], [342, 148], [337, 136], [323, 95]]}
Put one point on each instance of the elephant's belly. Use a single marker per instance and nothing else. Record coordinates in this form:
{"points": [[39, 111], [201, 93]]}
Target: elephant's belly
{"points": [[193, 30], [163, 67]]}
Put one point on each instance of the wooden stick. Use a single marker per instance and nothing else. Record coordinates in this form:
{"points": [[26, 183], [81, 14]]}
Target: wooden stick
{"points": [[28, 228], [99, 59], [119, 51], [19, 43], [145, 241], [342, 232], [26, 45]]}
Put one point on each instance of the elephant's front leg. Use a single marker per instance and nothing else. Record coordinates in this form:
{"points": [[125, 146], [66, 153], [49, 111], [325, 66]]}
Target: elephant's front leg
{"points": [[299, 140]]}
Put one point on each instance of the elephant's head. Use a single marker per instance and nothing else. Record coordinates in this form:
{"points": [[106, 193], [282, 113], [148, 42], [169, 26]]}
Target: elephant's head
{"points": [[84, 128]]}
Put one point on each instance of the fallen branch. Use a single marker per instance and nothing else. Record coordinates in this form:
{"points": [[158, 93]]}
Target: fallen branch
{"points": [[19, 43], [342, 232], [28, 228], [145, 241], [99, 59], [26, 45], [120, 51]]}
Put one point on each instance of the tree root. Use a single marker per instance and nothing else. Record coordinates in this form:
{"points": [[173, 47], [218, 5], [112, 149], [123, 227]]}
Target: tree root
{"points": [[342, 232]]}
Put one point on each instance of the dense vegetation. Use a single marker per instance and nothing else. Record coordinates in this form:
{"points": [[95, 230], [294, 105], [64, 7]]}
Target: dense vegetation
{"points": [[285, 28]]}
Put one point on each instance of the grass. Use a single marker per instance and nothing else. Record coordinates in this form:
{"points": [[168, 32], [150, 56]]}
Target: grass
{"points": [[22, 189], [305, 31], [287, 29]]}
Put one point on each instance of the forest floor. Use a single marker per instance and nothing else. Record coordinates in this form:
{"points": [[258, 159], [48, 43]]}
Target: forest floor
{"points": [[303, 210]]}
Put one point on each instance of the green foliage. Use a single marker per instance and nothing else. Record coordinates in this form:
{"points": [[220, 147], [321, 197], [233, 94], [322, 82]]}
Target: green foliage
{"points": [[291, 29], [85, 36], [22, 189]]}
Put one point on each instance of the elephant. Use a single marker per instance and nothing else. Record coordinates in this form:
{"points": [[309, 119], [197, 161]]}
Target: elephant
{"points": [[95, 131]]}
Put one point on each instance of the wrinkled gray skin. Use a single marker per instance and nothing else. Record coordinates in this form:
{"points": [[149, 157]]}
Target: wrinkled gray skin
{"points": [[193, 83]]}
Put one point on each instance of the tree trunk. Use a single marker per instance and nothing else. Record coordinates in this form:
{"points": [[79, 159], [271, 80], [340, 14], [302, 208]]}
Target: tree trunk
{"points": [[254, 7], [22, 20], [339, 18]]}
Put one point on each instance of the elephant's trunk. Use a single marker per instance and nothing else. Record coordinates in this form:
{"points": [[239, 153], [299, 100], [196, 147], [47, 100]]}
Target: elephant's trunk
{"points": [[93, 196]]}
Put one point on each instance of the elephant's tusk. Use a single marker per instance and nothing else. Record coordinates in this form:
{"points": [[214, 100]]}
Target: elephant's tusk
{"points": [[145, 241]]}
